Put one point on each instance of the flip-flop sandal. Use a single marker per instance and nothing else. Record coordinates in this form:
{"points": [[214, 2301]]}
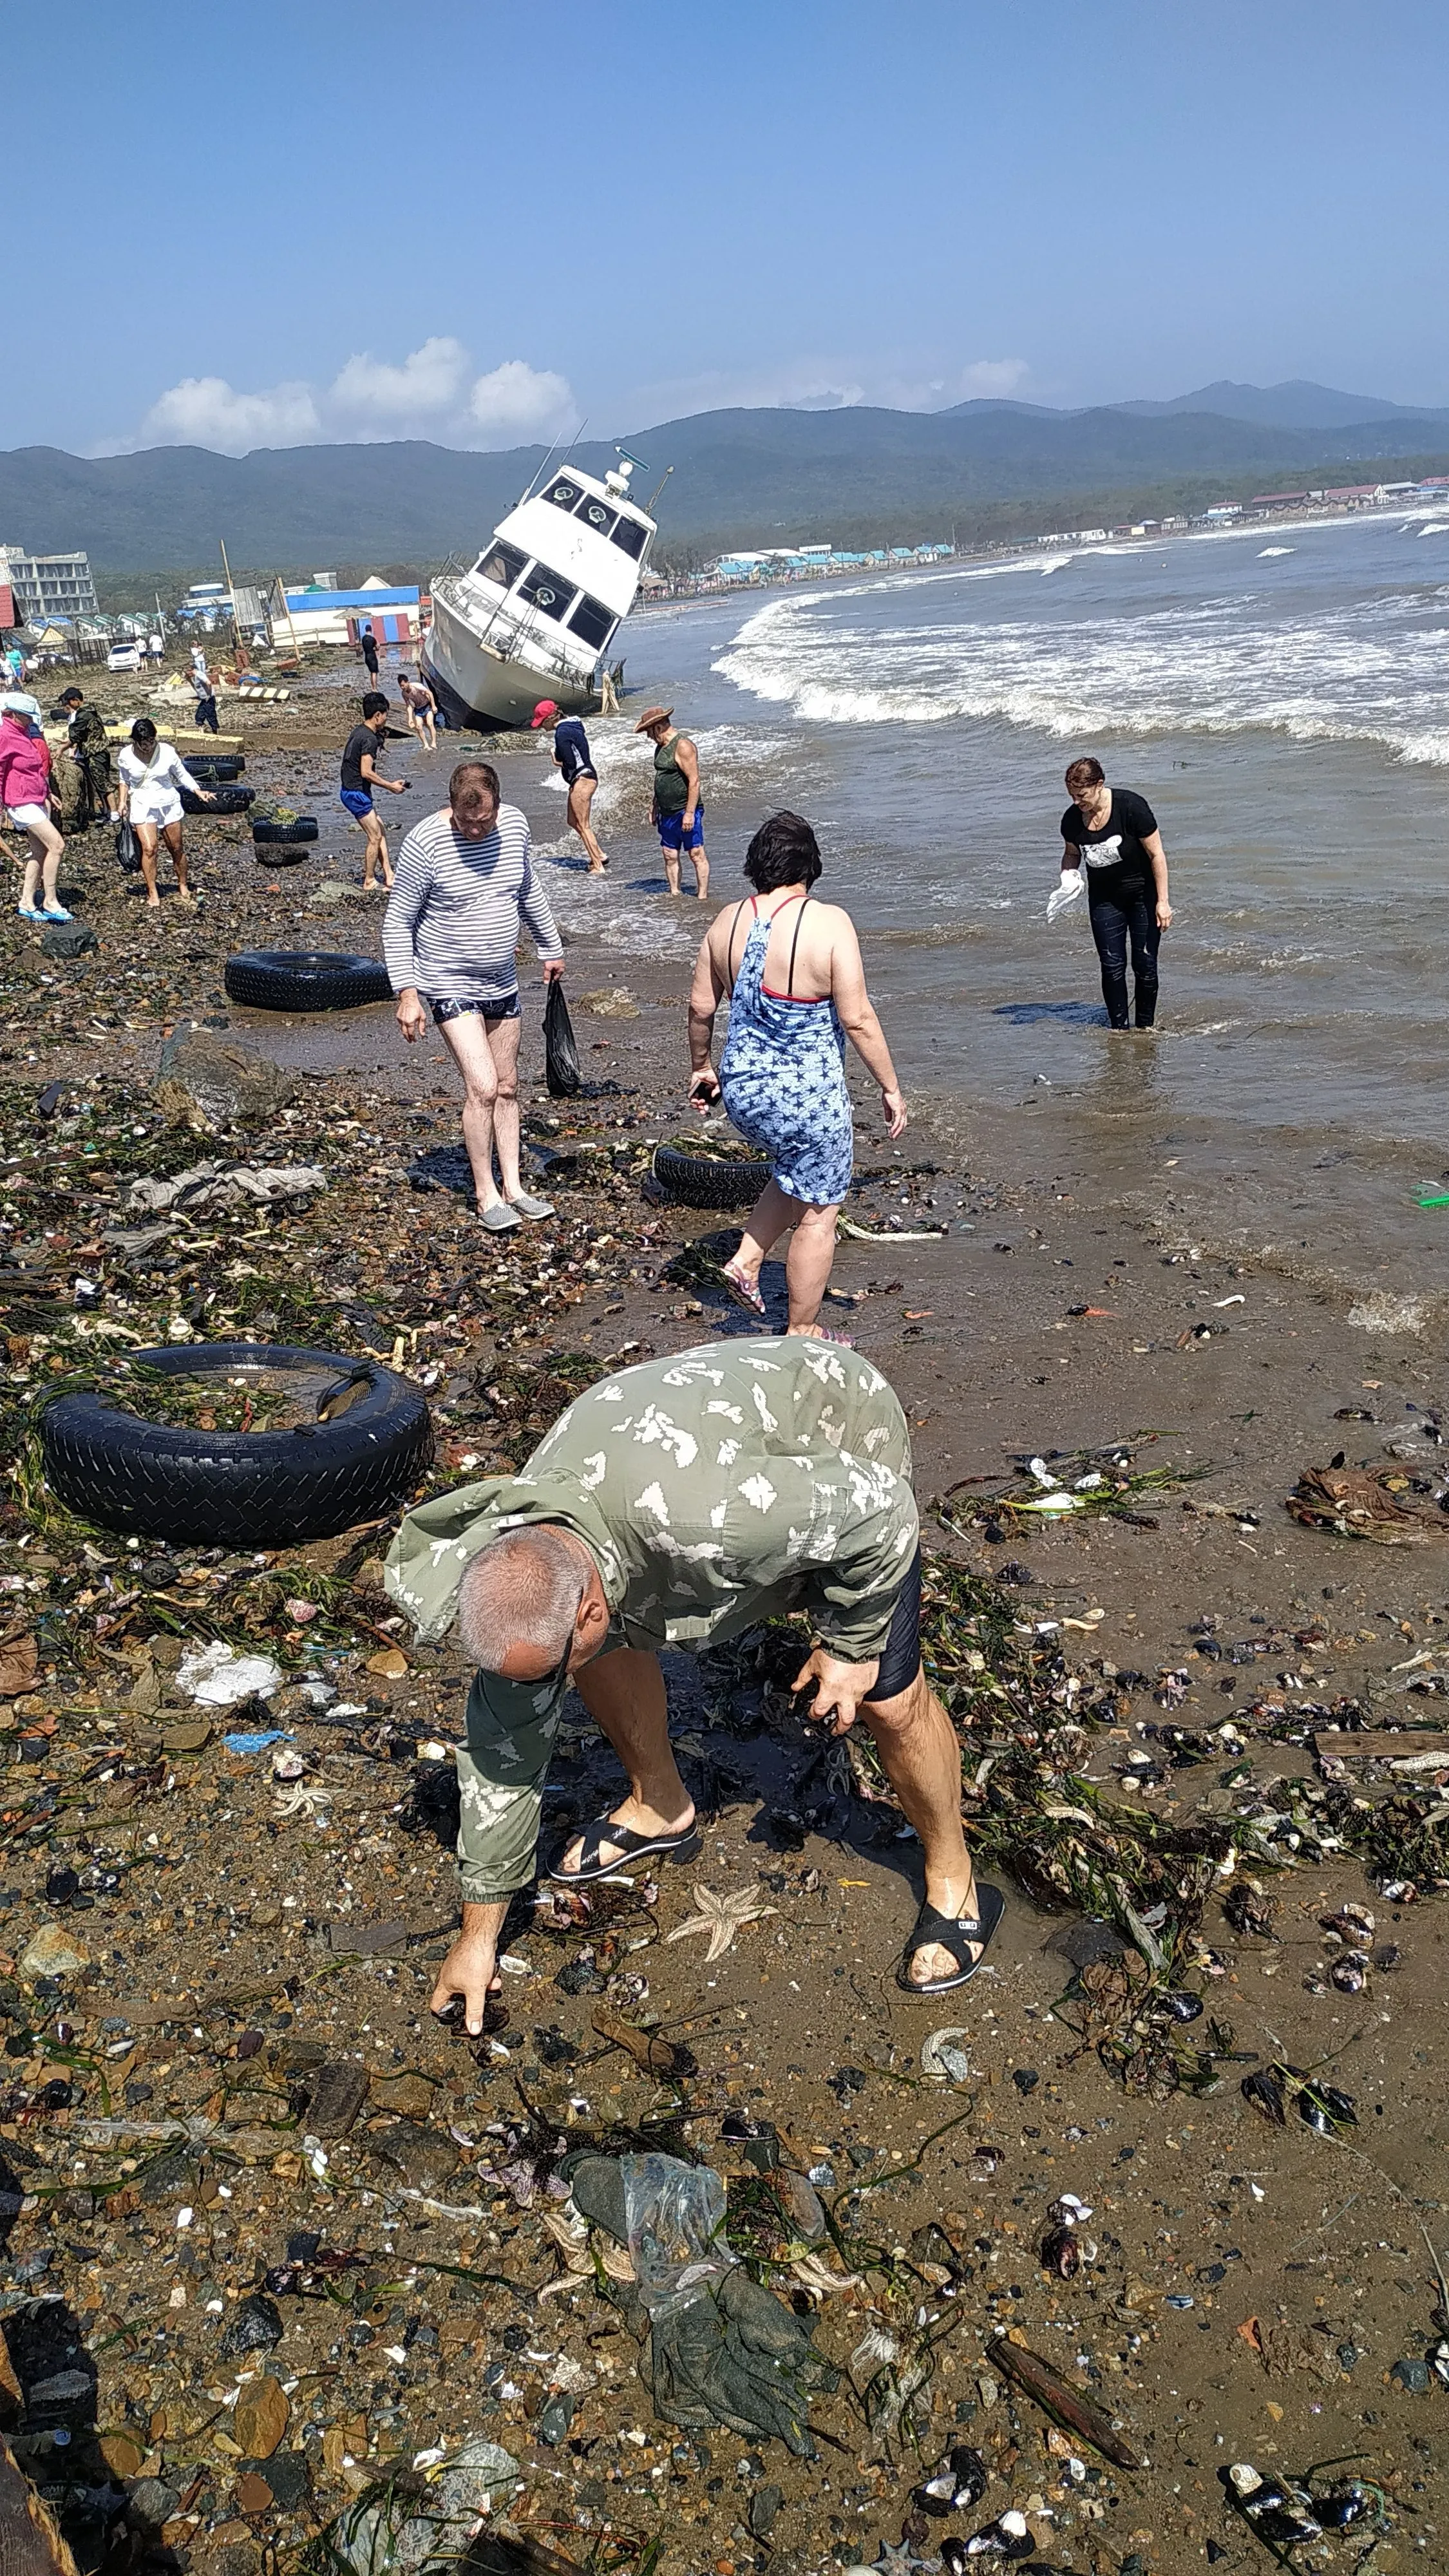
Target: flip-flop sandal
{"points": [[743, 1291], [630, 1846], [960, 1934]]}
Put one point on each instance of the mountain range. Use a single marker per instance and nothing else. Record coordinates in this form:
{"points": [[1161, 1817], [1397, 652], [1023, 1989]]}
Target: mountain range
{"points": [[740, 477]]}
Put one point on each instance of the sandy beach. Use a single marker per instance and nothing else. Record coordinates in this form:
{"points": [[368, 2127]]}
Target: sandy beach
{"points": [[1252, 2287]]}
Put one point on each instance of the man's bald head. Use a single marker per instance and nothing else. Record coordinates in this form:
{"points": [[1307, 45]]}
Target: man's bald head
{"points": [[520, 1599]]}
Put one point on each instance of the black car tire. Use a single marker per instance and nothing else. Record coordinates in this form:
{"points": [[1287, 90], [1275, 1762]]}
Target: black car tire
{"points": [[299, 979], [218, 802], [239, 1488], [281, 835], [216, 768], [705, 1181]]}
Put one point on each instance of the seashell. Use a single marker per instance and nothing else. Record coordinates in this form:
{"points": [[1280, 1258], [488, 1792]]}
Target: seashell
{"points": [[1352, 1923], [1060, 2253], [1183, 2007], [1007, 2538], [1343, 2506], [1069, 2211], [1350, 1974], [1266, 2097], [940, 2059]]}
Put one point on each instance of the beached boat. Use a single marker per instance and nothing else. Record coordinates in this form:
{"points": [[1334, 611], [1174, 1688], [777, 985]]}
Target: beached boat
{"points": [[535, 615]]}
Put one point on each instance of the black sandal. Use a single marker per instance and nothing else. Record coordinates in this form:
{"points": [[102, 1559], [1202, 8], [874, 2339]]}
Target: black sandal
{"points": [[631, 1847], [958, 1933]]}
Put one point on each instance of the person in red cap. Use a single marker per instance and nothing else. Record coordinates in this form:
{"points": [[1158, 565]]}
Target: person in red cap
{"points": [[572, 755]]}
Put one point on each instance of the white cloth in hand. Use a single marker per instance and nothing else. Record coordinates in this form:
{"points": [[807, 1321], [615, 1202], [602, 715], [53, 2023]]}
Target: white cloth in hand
{"points": [[1072, 883]]}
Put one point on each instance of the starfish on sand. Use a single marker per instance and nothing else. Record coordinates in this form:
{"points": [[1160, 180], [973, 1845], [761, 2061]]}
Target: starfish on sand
{"points": [[301, 1800], [722, 1917]]}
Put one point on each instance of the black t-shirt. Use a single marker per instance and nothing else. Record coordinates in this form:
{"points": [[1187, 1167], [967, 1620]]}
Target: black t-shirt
{"points": [[361, 739], [369, 647], [1117, 865]]}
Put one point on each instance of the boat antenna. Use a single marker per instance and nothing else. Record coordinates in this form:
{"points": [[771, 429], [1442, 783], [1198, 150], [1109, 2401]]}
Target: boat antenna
{"points": [[658, 488], [537, 478]]}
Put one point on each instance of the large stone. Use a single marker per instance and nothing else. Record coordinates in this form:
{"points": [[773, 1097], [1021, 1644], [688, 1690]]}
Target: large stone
{"points": [[52, 1952], [210, 1081]]}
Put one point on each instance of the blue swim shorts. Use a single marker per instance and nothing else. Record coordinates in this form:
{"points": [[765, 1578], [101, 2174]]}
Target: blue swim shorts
{"points": [[357, 801], [505, 1007], [671, 831]]}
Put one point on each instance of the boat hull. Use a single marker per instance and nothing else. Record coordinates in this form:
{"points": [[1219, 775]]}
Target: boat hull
{"points": [[482, 690]]}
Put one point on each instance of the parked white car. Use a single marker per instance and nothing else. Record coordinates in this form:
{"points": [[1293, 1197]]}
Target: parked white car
{"points": [[124, 657]]}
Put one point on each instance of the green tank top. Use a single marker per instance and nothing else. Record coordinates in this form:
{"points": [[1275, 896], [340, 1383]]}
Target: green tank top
{"points": [[671, 787]]}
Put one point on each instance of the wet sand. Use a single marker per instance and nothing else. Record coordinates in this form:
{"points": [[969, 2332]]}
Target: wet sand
{"points": [[1205, 2217]]}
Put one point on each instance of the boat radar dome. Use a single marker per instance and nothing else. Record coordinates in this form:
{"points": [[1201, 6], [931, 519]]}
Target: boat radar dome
{"points": [[617, 478]]}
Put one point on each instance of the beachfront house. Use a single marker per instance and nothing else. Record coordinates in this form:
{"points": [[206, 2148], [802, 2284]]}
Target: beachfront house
{"points": [[318, 616]]}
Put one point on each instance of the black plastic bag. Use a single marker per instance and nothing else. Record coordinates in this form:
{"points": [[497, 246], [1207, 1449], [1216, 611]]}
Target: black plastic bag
{"points": [[128, 849], [561, 1055]]}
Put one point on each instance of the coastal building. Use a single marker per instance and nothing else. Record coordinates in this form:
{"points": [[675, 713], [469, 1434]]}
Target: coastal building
{"points": [[45, 586], [319, 616], [1279, 500]]}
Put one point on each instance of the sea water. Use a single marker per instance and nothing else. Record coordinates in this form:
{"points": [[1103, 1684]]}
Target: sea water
{"points": [[1281, 697]]}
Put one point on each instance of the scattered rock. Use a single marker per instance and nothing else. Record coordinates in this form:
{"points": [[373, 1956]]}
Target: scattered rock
{"points": [[335, 2095], [261, 2417], [208, 1081], [256, 2327], [424, 2157], [411, 2096], [52, 1952]]}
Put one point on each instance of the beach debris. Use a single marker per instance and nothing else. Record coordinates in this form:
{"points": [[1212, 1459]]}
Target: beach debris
{"points": [[1379, 1504], [1008, 2537], [1271, 2506], [216, 1676], [652, 2054], [722, 1917], [227, 1185], [942, 2060], [960, 2484], [1065, 2405]]}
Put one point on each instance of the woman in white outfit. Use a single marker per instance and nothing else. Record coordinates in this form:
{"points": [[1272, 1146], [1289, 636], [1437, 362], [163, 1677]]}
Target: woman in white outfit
{"points": [[153, 775]]}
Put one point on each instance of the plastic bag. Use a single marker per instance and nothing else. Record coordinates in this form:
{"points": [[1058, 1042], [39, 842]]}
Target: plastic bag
{"points": [[561, 1055], [128, 849], [1073, 884]]}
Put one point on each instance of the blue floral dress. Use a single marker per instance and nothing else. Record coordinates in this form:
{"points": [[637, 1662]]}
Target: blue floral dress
{"points": [[782, 1075]]}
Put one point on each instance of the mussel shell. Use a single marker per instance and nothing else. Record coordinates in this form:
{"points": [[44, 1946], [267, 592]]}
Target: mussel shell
{"points": [[1265, 2096], [938, 2495], [1339, 2106], [1061, 2253], [1316, 2117], [1183, 2007], [1069, 2211], [1343, 2507], [1287, 2527], [1350, 1975], [971, 2474]]}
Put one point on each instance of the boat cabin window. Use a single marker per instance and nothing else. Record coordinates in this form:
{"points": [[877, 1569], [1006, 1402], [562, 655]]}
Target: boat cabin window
{"points": [[502, 563], [593, 621], [564, 492], [632, 535], [550, 591]]}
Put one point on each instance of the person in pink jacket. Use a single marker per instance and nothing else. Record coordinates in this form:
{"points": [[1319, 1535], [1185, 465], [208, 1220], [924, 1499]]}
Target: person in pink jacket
{"points": [[25, 795]]}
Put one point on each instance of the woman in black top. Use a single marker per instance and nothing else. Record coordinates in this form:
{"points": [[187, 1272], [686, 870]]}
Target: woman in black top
{"points": [[1113, 834]]}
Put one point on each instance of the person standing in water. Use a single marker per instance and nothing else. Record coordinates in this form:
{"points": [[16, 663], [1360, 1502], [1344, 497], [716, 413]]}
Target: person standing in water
{"points": [[677, 808], [572, 755], [360, 775], [1112, 833]]}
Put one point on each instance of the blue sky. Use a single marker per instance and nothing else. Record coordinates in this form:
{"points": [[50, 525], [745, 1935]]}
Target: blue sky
{"points": [[480, 221]]}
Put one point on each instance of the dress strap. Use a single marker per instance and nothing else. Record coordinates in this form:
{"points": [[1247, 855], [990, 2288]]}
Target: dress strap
{"points": [[794, 944], [753, 902]]}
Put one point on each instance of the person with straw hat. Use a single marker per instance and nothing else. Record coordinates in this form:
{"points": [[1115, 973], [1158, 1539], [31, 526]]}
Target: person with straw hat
{"points": [[678, 807]]}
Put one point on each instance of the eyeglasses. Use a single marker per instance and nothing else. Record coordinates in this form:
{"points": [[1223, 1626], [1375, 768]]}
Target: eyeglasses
{"points": [[558, 1677]]}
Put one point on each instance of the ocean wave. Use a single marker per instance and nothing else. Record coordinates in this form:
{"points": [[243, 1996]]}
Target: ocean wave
{"points": [[1371, 669]]}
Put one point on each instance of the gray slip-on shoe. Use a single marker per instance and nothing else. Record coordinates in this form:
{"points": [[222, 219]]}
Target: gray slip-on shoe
{"points": [[500, 1218], [526, 1205]]}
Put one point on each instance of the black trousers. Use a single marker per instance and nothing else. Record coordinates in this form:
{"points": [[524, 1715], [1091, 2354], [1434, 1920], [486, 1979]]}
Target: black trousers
{"points": [[1116, 922]]}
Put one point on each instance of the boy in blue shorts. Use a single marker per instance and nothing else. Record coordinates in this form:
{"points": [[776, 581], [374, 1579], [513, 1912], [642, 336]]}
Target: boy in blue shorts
{"points": [[360, 777]]}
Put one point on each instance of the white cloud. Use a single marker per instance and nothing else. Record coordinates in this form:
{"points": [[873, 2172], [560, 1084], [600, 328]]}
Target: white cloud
{"points": [[205, 411], [432, 394], [430, 382], [515, 402], [825, 384], [991, 379]]}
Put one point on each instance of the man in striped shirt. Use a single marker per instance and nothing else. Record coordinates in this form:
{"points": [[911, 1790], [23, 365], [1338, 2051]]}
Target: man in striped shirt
{"points": [[450, 937]]}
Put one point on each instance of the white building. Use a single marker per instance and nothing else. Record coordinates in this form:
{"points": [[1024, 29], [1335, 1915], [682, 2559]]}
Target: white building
{"points": [[48, 585]]}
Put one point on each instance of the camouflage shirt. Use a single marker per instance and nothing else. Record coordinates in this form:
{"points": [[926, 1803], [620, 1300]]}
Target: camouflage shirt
{"points": [[712, 1490]]}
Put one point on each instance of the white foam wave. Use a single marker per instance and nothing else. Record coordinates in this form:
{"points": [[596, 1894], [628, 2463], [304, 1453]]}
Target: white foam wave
{"points": [[1373, 669], [1265, 551]]}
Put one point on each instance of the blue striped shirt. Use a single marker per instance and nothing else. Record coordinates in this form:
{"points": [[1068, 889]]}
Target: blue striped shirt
{"points": [[451, 929]]}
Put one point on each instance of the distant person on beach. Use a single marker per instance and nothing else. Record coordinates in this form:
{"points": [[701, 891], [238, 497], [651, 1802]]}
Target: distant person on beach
{"points": [[206, 715], [465, 882], [360, 775], [368, 643], [1112, 834], [152, 777], [677, 807], [792, 970], [572, 755], [422, 708], [25, 801], [91, 753]]}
